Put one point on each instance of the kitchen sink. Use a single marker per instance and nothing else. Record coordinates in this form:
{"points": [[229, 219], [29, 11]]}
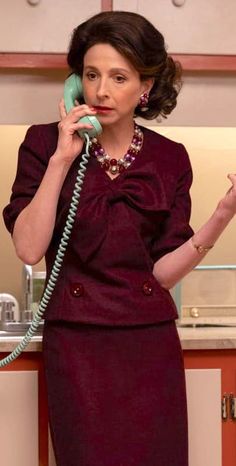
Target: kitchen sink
{"points": [[15, 329]]}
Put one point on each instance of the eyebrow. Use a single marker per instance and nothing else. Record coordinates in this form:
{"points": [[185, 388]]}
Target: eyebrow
{"points": [[114, 70]]}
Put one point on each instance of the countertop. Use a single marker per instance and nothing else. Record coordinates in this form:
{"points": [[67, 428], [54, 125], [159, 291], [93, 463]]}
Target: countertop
{"points": [[200, 338], [192, 338], [8, 343]]}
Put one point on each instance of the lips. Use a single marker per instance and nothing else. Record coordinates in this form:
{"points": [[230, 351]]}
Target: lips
{"points": [[100, 108]]}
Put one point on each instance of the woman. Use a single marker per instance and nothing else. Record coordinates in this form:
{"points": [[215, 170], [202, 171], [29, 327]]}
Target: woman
{"points": [[113, 360]]}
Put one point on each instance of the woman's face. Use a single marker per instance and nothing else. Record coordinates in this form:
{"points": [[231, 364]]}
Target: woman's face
{"points": [[111, 84]]}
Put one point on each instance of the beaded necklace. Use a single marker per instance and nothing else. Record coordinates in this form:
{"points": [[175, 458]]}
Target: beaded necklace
{"points": [[115, 166]]}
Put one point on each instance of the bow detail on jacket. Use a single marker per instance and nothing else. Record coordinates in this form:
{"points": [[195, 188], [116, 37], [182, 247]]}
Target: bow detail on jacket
{"points": [[135, 189], [139, 190]]}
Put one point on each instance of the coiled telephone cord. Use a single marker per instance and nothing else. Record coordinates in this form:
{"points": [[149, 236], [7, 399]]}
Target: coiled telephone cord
{"points": [[58, 260]]}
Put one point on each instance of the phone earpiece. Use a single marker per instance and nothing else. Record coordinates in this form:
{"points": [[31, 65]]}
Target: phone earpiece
{"points": [[73, 90]]}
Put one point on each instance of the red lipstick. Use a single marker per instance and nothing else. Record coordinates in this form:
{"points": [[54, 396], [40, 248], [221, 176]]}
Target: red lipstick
{"points": [[102, 109]]}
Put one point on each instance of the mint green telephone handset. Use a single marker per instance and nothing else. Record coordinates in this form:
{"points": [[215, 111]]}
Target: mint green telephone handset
{"points": [[72, 91]]}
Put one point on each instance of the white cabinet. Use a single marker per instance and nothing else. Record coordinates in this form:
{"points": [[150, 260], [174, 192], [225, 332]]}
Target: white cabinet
{"points": [[204, 416], [199, 26], [45, 27], [19, 418]]}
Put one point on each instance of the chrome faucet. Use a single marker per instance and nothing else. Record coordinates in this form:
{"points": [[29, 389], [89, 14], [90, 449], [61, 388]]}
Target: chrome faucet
{"points": [[7, 314], [27, 287]]}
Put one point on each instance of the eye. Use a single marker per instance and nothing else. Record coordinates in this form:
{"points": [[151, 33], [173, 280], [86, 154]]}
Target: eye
{"points": [[91, 75], [119, 79]]}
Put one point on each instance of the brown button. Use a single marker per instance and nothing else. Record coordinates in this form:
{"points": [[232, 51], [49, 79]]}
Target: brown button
{"points": [[77, 289], [147, 288]]}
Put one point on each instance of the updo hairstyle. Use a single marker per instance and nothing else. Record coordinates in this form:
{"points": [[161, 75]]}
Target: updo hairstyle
{"points": [[134, 37]]}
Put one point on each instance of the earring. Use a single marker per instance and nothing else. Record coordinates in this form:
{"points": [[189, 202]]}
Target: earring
{"points": [[143, 102]]}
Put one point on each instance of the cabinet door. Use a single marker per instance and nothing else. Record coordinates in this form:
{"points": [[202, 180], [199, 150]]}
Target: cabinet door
{"points": [[229, 424], [19, 418], [204, 416], [204, 27], [46, 26]]}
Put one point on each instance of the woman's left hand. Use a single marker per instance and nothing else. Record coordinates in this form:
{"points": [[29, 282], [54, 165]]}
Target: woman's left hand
{"points": [[228, 203]]}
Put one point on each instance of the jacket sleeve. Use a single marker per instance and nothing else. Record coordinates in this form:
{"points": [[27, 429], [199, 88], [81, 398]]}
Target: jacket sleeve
{"points": [[175, 229], [32, 164]]}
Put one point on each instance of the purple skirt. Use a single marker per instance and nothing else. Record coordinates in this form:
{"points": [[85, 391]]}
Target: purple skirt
{"points": [[116, 395]]}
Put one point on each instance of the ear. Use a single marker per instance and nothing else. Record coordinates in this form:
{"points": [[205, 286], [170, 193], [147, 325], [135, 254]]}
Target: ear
{"points": [[147, 85]]}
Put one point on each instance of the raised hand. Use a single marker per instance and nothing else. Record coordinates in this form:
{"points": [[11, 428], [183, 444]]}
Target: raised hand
{"points": [[228, 203], [69, 143]]}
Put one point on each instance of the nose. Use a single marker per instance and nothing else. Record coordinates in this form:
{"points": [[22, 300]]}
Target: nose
{"points": [[102, 88]]}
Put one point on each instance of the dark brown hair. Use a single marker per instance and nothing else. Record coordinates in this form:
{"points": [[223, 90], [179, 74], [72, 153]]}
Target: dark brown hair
{"points": [[134, 37]]}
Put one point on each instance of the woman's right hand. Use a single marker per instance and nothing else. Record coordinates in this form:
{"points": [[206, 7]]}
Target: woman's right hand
{"points": [[70, 143], [227, 205]]}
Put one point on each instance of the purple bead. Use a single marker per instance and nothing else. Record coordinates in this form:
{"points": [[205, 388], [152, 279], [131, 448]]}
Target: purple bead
{"points": [[129, 158]]}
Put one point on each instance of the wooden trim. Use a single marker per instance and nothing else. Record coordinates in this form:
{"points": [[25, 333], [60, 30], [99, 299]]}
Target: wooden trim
{"points": [[106, 5], [33, 60], [58, 61], [206, 62]]}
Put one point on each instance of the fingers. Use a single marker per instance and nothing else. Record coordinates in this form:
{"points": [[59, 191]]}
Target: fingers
{"points": [[77, 112], [70, 122], [62, 109], [232, 178], [232, 190]]}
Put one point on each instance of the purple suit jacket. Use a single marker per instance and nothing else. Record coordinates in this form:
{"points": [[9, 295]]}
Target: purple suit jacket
{"points": [[122, 227]]}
